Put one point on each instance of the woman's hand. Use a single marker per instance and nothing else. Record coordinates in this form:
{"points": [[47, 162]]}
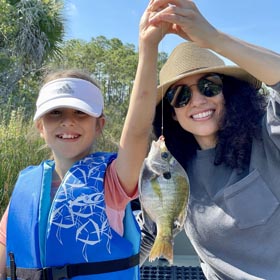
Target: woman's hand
{"points": [[183, 18], [153, 32]]}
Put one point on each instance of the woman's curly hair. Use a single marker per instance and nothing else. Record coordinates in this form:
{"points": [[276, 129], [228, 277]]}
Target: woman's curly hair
{"points": [[244, 109]]}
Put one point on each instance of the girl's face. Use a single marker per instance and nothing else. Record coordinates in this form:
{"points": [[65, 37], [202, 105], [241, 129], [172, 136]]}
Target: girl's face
{"points": [[201, 115], [69, 133]]}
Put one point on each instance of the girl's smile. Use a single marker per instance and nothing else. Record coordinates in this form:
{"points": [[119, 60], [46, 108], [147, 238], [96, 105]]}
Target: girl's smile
{"points": [[68, 136]]}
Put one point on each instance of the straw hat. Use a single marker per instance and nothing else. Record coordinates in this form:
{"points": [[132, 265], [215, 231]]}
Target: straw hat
{"points": [[188, 59]]}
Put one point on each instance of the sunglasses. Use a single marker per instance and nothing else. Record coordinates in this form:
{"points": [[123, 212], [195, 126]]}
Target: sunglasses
{"points": [[180, 95]]}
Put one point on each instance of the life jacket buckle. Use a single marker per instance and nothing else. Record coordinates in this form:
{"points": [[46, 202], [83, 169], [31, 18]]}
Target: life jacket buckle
{"points": [[56, 273]]}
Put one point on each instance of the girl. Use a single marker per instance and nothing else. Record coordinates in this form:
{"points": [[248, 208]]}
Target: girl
{"points": [[70, 216]]}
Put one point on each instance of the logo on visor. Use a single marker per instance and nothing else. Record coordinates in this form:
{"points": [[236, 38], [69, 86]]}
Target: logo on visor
{"points": [[65, 89]]}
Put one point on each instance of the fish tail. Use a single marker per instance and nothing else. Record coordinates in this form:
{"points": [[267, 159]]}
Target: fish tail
{"points": [[162, 247]]}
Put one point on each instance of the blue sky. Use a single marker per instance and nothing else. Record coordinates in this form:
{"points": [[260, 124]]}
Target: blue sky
{"points": [[255, 21]]}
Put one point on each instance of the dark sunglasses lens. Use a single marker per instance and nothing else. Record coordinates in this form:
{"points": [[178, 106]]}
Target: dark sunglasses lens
{"points": [[178, 96], [170, 95], [210, 86], [183, 97]]}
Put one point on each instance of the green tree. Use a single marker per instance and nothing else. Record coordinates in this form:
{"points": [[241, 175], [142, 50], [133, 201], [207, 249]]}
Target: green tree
{"points": [[31, 32]]}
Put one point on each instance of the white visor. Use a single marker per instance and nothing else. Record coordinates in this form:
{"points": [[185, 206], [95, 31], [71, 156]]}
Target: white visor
{"points": [[72, 93]]}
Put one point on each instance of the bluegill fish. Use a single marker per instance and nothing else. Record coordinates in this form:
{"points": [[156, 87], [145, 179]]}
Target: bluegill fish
{"points": [[164, 193]]}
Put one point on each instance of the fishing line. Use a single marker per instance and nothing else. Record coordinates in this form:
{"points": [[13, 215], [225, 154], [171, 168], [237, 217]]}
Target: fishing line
{"points": [[161, 60]]}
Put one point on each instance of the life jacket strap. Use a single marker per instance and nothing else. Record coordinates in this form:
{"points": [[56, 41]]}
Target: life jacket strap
{"points": [[69, 271]]}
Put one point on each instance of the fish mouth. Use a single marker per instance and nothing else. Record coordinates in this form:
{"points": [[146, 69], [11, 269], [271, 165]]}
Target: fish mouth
{"points": [[160, 147]]}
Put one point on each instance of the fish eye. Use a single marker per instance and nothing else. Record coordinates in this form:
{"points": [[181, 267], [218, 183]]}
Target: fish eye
{"points": [[167, 175], [164, 155]]}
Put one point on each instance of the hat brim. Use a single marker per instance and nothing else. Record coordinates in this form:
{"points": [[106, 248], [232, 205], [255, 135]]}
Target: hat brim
{"points": [[228, 70], [72, 103]]}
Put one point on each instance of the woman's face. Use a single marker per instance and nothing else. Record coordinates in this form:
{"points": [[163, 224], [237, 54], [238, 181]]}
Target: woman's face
{"points": [[201, 115]]}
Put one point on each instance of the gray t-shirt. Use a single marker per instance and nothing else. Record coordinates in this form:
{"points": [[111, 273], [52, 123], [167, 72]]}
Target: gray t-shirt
{"points": [[233, 219]]}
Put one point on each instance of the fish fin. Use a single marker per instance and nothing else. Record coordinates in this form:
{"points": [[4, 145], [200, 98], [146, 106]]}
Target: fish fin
{"points": [[180, 221], [149, 223], [162, 247]]}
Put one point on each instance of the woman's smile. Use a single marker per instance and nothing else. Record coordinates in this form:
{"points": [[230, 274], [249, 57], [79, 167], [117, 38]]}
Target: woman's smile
{"points": [[203, 115]]}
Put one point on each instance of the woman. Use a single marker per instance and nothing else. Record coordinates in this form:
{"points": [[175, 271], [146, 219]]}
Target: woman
{"points": [[226, 134]]}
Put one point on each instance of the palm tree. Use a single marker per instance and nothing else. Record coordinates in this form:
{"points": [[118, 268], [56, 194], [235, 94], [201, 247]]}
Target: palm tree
{"points": [[33, 36], [40, 30]]}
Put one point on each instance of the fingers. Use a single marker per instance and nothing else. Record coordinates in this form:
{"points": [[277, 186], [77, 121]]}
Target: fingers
{"points": [[184, 19], [157, 10], [180, 17], [171, 16], [177, 12], [157, 5], [151, 34]]}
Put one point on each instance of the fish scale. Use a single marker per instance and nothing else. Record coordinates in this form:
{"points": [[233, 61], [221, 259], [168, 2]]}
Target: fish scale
{"points": [[164, 193]]}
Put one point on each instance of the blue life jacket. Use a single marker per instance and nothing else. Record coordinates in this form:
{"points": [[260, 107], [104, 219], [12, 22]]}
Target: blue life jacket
{"points": [[69, 237]]}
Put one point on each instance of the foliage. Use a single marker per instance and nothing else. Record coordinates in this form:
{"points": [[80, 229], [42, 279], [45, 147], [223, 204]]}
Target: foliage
{"points": [[31, 32], [40, 31], [19, 147], [7, 24]]}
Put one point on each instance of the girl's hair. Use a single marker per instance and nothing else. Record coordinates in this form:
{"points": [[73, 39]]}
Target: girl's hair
{"points": [[244, 108], [71, 73]]}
